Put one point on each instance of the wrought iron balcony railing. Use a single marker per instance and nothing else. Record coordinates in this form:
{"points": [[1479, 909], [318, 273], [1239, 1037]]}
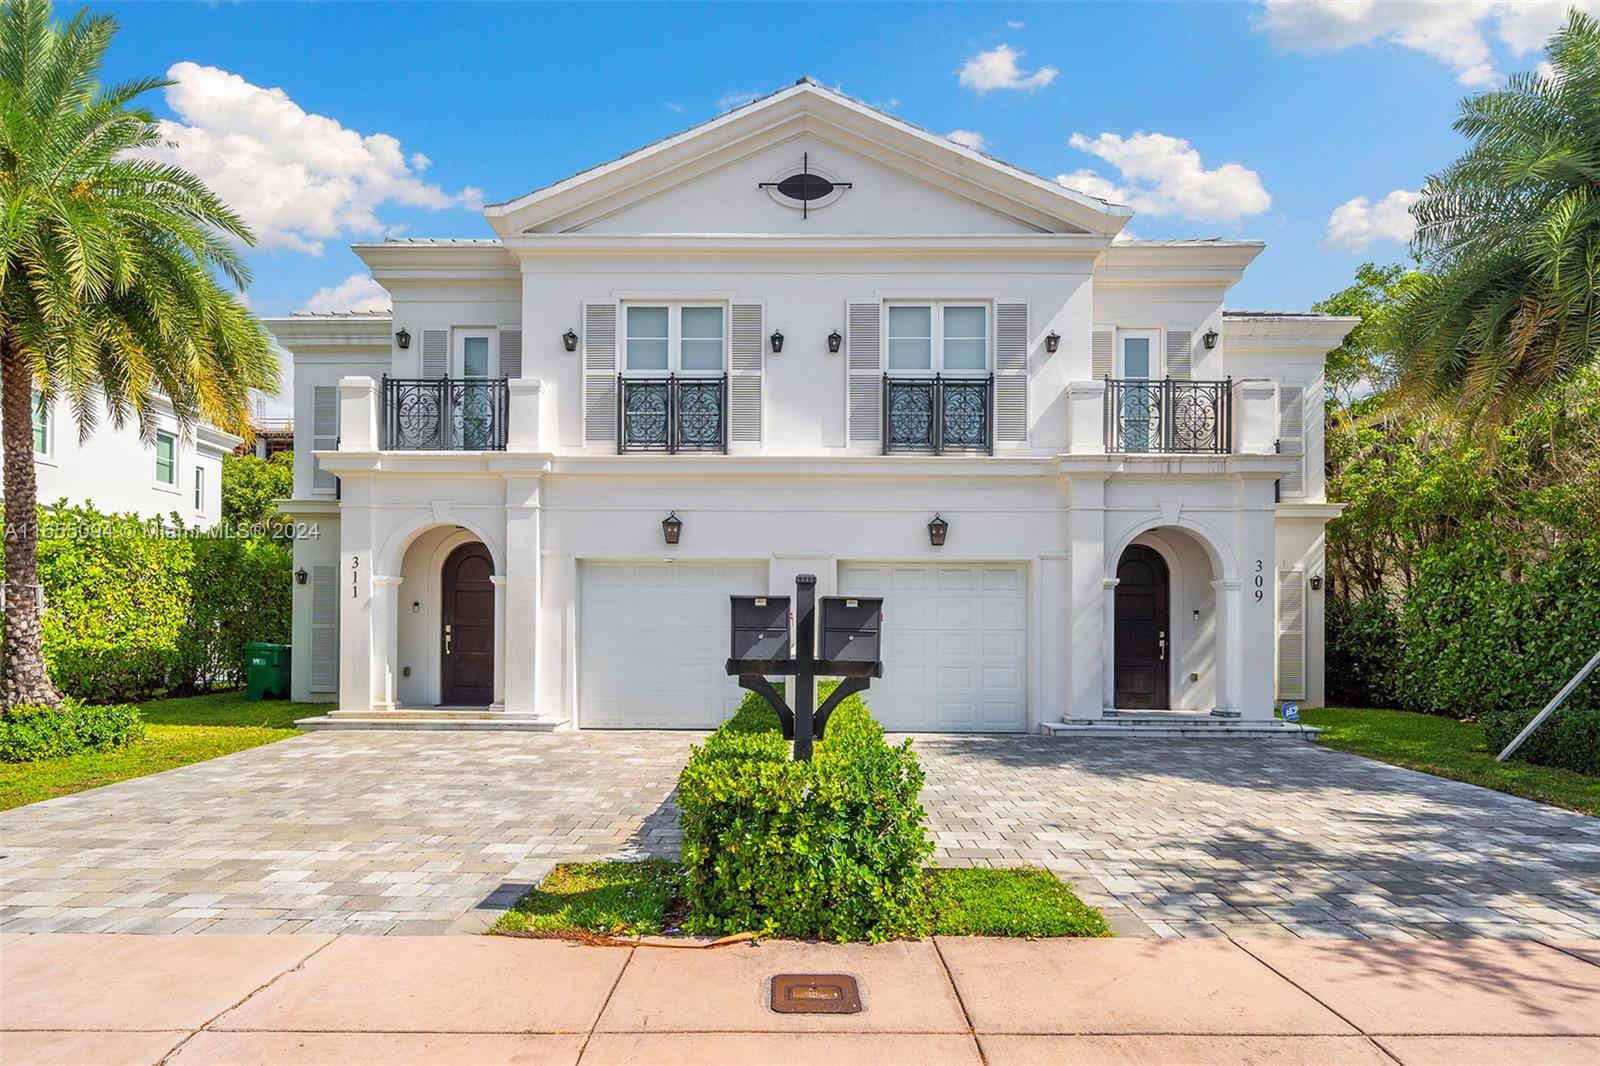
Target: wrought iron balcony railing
{"points": [[445, 414], [1190, 417], [672, 414], [937, 414]]}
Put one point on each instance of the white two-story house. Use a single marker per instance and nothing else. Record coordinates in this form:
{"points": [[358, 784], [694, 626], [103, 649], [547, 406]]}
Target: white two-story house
{"points": [[807, 337]]}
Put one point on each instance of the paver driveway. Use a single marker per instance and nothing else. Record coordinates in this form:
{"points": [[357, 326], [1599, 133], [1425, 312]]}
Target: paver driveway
{"points": [[429, 832]]}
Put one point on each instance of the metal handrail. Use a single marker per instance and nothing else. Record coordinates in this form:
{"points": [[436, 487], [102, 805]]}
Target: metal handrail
{"points": [[445, 414], [938, 414], [672, 414], [1160, 415]]}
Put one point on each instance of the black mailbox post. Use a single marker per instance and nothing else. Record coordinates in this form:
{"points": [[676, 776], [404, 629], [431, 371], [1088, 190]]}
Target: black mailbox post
{"points": [[852, 630]]}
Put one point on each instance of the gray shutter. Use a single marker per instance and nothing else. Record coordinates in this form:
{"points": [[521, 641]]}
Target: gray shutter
{"points": [[325, 628], [324, 436], [511, 351], [1291, 634], [744, 377], [1292, 440], [864, 368], [1011, 373], [600, 372], [1101, 361], [435, 353], [1180, 355]]}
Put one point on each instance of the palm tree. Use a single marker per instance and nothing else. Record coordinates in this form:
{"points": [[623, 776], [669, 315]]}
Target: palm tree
{"points": [[108, 288], [1510, 304]]}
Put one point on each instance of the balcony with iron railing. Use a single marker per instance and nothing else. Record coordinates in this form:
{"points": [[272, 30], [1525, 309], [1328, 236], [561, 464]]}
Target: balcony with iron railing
{"points": [[1168, 417], [672, 414], [938, 415], [445, 414]]}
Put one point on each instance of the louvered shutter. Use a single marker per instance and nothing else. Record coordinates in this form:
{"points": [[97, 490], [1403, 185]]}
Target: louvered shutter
{"points": [[511, 351], [1101, 360], [600, 372], [324, 436], [1291, 634], [1011, 373], [1180, 355], [1292, 440], [435, 353], [864, 367], [744, 378], [324, 628]]}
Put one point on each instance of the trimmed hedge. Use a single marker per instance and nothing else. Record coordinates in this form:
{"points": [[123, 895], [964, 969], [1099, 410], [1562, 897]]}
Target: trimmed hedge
{"points": [[1569, 738], [29, 733], [832, 848]]}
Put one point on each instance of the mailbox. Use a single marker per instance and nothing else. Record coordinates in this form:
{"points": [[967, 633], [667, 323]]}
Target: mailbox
{"points": [[852, 629], [760, 628]]}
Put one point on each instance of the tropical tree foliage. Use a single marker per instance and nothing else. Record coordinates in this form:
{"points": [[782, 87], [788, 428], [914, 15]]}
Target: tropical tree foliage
{"points": [[252, 487], [109, 282], [1509, 303]]}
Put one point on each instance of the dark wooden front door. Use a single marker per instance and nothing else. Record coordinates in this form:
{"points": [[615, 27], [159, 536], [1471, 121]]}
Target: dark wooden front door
{"points": [[1142, 630], [468, 627]]}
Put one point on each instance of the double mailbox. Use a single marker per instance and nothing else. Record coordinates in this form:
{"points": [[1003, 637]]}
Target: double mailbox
{"points": [[851, 632]]}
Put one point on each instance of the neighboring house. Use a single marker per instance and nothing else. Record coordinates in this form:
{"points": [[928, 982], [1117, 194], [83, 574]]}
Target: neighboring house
{"points": [[176, 471], [806, 328]]}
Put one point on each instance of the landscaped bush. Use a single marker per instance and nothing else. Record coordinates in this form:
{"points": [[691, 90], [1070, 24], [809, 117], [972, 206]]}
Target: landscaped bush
{"points": [[1569, 738], [31, 733], [831, 848], [1363, 643]]}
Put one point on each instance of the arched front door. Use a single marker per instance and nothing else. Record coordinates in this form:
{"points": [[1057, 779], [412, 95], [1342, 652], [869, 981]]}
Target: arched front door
{"points": [[467, 637], [1142, 630]]}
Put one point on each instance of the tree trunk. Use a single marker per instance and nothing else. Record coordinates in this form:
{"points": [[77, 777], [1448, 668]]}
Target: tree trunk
{"points": [[22, 673]]}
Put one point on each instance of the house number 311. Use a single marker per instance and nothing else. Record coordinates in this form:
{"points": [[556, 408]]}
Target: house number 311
{"points": [[355, 578], [1261, 583]]}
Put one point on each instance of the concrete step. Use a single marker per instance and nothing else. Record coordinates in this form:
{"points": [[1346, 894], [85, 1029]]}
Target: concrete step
{"points": [[426, 714], [1199, 726], [457, 722]]}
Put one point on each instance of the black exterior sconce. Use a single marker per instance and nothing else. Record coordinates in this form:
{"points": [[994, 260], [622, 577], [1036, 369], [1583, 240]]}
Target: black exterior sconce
{"points": [[1210, 339], [777, 341], [1316, 582], [402, 337], [1052, 342], [300, 576], [672, 527], [834, 341], [938, 529], [569, 341]]}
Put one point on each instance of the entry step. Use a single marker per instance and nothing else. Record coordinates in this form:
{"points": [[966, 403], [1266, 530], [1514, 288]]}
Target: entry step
{"points": [[437, 719], [1156, 724]]}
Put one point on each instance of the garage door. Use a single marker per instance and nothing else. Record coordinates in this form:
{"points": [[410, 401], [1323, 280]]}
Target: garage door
{"points": [[652, 640], [955, 645]]}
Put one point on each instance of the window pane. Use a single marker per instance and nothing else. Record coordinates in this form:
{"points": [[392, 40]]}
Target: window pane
{"points": [[1136, 357], [647, 338], [647, 322], [199, 488], [475, 357], [41, 425], [166, 459], [700, 347], [965, 323], [965, 355], [702, 355], [910, 322], [702, 322], [910, 355], [910, 338]]}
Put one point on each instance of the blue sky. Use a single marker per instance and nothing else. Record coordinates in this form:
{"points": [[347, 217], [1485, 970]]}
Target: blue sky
{"points": [[312, 119]]}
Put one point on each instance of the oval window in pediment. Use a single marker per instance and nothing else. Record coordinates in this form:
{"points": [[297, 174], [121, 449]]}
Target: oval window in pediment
{"points": [[805, 186]]}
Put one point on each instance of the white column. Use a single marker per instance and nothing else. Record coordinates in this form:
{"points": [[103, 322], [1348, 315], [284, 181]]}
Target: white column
{"points": [[1258, 624], [1086, 417], [1055, 636], [358, 414], [519, 604], [1229, 645], [1087, 563], [1255, 417], [385, 640], [500, 642], [557, 681], [355, 587], [1108, 645], [525, 397]]}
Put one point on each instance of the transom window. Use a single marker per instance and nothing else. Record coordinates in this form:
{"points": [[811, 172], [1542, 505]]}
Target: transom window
{"points": [[166, 459], [944, 338], [675, 339]]}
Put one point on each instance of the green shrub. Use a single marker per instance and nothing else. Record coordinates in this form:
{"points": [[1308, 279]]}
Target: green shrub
{"points": [[29, 733], [832, 848], [1363, 644], [1569, 738], [242, 593]]}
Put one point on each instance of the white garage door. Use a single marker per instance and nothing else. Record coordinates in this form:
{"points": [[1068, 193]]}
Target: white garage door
{"points": [[955, 645], [652, 640]]}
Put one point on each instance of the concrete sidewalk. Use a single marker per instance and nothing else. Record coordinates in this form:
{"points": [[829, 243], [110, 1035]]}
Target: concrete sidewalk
{"points": [[461, 999]]}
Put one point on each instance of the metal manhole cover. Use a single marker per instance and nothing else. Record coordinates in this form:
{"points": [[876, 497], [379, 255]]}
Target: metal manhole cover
{"points": [[815, 993]]}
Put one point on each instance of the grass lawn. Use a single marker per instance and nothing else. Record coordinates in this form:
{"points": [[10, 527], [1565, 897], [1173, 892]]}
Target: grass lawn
{"points": [[1448, 748], [177, 732], [582, 900]]}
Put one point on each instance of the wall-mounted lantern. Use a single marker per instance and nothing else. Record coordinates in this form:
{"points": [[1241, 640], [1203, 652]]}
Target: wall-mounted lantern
{"points": [[938, 529], [569, 341], [300, 576], [1052, 342], [834, 341], [1210, 339], [402, 337], [672, 527], [777, 341], [1316, 582]]}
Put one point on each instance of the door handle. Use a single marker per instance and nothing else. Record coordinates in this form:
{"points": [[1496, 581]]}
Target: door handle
{"points": [[447, 636], [1161, 642]]}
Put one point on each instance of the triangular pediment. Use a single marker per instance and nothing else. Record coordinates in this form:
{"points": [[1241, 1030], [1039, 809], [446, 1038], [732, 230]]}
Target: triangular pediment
{"points": [[901, 180]]}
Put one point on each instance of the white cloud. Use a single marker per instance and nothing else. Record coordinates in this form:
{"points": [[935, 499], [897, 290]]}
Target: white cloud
{"points": [[358, 292], [1460, 34], [736, 98], [1016, 24], [1163, 175], [971, 138], [1356, 223], [998, 69], [676, 109], [297, 178]]}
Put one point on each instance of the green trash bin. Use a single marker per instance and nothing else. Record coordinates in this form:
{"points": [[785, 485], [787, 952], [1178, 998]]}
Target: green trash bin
{"points": [[266, 671]]}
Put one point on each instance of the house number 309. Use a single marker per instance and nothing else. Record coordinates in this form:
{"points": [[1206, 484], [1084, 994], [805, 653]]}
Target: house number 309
{"points": [[355, 577], [1261, 582]]}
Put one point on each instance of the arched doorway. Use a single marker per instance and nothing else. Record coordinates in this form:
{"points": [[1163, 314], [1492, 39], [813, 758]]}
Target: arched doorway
{"points": [[1143, 625], [467, 627]]}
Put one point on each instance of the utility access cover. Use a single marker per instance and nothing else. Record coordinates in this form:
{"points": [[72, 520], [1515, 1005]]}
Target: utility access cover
{"points": [[815, 993]]}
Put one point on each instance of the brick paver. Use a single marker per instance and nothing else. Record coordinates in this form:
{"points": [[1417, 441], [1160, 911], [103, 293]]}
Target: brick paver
{"points": [[392, 832]]}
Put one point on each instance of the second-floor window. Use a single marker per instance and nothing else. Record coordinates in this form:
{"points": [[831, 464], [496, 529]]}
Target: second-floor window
{"points": [[41, 426], [199, 488], [938, 338], [681, 339], [166, 459]]}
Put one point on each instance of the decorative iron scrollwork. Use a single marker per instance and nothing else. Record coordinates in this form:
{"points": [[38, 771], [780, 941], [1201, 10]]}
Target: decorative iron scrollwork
{"points": [[936, 414], [672, 414], [1186, 417], [445, 414]]}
